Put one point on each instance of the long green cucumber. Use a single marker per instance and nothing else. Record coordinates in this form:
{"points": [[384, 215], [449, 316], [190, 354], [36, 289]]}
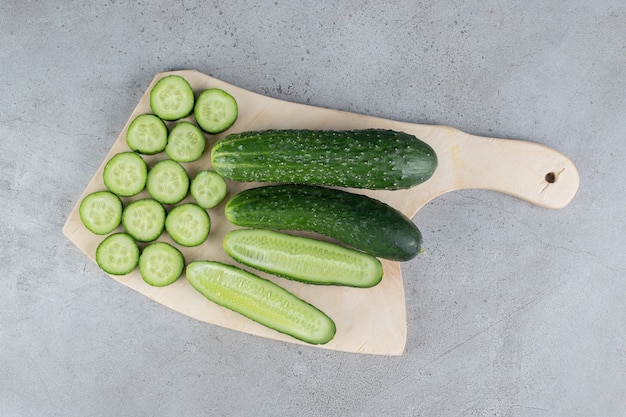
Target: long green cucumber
{"points": [[260, 300], [303, 259], [368, 158], [357, 220]]}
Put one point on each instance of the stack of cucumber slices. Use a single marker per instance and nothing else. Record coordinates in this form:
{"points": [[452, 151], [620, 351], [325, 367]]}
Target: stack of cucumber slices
{"points": [[308, 169]]}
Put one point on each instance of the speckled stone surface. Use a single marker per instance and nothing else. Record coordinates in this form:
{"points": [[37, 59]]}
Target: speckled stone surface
{"points": [[513, 310]]}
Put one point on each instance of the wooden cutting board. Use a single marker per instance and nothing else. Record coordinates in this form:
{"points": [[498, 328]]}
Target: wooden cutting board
{"points": [[370, 320]]}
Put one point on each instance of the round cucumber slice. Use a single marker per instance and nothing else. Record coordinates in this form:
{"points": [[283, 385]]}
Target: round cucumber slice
{"points": [[215, 110], [125, 174], [172, 98], [161, 264], [185, 143], [117, 254], [208, 188], [144, 219], [188, 224], [101, 212], [147, 134], [168, 182]]}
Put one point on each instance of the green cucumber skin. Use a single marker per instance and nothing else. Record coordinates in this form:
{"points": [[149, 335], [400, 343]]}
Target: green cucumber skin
{"points": [[365, 271], [368, 158], [260, 300], [359, 221]]}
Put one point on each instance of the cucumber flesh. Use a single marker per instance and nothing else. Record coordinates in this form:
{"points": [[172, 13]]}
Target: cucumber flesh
{"points": [[117, 254], [260, 300], [215, 110], [172, 98], [188, 224], [161, 264], [125, 174], [303, 259], [208, 189], [101, 212], [144, 219], [185, 143], [167, 182], [147, 134]]}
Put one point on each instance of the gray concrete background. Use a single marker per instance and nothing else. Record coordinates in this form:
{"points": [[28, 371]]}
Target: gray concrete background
{"points": [[513, 310]]}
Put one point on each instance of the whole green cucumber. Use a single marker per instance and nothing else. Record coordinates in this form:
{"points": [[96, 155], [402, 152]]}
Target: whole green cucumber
{"points": [[368, 158], [357, 220]]}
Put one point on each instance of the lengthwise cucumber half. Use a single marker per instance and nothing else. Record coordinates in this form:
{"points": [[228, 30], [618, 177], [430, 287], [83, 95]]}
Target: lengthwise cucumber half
{"points": [[303, 259], [357, 220], [368, 158], [260, 300]]}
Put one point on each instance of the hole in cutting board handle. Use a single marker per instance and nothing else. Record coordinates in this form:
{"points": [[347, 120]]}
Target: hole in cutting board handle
{"points": [[550, 177]]}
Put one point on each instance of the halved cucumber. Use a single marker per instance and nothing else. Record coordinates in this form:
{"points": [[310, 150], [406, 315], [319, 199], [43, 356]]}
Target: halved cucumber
{"points": [[144, 219], [117, 254], [172, 98], [167, 182], [101, 212], [161, 264], [185, 143], [188, 224], [147, 134], [215, 110], [208, 188], [303, 259], [260, 300], [125, 174]]}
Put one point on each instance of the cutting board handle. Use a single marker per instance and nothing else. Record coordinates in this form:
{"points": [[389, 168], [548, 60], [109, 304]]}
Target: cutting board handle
{"points": [[527, 170]]}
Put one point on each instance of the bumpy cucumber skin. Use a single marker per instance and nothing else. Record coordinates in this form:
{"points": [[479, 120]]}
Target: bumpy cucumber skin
{"points": [[303, 259], [368, 158], [260, 300], [354, 219]]}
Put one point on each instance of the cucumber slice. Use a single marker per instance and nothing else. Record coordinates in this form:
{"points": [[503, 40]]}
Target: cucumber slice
{"points": [[117, 254], [125, 174], [101, 212], [303, 259], [161, 264], [215, 110], [144, 219], [260, 300], [208, 188], [188, 224], [147, 134], [172, 98], [167, 182], [185, 143]]}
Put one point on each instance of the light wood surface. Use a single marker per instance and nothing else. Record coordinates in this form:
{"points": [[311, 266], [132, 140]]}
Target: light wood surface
{"points": [[373, 320]]}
